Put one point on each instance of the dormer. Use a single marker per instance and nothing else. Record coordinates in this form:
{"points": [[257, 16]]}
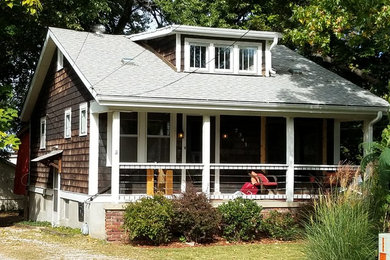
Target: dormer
{"points": [[212, 50]]}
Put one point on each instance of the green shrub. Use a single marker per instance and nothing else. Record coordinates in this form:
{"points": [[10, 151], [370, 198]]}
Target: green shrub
{"points": [[341, 228], [241, 220], [149, 220], [280, 226], [194, 217]]}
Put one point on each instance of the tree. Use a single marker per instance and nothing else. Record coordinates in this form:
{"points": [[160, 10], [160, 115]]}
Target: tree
{"points": [[352, 36], [247, 14]]}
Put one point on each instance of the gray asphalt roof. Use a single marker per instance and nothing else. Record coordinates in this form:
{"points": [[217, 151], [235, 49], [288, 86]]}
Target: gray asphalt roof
{"points": [[99, 60]]}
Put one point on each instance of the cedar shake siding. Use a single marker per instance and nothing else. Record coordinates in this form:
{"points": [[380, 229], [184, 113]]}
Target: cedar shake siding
{"points": [[61, 90], [165, 47]]}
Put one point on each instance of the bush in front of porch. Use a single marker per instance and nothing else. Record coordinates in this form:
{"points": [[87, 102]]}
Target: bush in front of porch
{"points": [[149, 220], [195, 218], [241, 220]]}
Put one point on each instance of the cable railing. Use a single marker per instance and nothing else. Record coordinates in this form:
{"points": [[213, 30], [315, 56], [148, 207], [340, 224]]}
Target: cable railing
{"points": [[226, 179]]}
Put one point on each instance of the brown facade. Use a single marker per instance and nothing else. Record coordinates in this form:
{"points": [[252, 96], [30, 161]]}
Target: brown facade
{"points": [[61, 90]]}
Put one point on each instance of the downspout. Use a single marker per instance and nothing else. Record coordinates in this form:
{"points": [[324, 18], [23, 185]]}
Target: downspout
{"points": [[369, 128], [274, 43], [376, 119]]}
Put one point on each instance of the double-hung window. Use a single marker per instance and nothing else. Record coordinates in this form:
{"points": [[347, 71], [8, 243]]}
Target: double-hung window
{"points": [[42, 133], [83, 118], [247, 59], [223, 58], [128, 137], [68, 123], [158, 137], [198, 56]]}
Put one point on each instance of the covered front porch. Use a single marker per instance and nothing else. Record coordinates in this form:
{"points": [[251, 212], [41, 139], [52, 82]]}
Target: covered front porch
{"points": [[140, 153]]}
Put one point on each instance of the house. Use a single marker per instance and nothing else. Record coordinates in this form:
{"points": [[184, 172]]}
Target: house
{"points": [[114, 118], [8, 200]]}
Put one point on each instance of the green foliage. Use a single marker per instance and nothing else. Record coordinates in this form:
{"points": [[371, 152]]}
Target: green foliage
{"points": [[31, 6], [341, 227], [249, 14], [353, 35], [149, 220], [280, 226], [7, 117], [194, 217], [241, 220]]}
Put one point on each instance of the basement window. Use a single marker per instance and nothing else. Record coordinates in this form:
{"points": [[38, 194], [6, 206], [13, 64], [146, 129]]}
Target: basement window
{"points": [[68, 123]]}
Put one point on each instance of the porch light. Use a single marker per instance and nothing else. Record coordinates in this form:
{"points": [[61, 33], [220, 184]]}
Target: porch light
{"points": [[180, 135], [225, 136]]}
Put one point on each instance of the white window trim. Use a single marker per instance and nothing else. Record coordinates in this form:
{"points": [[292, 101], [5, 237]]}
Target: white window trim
{"points": [[83, 107], [227, 46], [255, 59], [187, 56], [68, 134], [60, 60], [42, 137], [234, 56]]}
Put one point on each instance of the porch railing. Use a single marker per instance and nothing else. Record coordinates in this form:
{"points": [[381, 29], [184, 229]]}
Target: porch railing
{"points": [[226, 179]]}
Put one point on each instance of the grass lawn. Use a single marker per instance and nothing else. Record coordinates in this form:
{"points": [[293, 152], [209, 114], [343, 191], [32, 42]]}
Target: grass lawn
{"points": [[45, 242]]}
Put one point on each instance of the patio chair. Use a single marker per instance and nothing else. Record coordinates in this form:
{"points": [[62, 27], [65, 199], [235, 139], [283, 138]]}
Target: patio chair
{"points": [[259, 179]]}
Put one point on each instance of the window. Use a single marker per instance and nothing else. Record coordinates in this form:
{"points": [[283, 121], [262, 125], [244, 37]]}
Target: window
{"points": [[128, 137], [42, 133], [158, 146], [247, 59], [60, 60], [197, 56], [83, 118], [223, 57], [68, 123]]}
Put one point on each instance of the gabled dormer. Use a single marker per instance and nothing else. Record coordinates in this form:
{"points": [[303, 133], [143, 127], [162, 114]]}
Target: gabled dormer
{"points": [[212, 50]]}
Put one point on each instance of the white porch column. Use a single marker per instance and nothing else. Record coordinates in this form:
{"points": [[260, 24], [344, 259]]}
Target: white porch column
{"points": [[184, 154], [142, 137], [172, 138], [115, 156], [290, 159], [206, 155], [336, 141], [93, 153], [217, 153]]}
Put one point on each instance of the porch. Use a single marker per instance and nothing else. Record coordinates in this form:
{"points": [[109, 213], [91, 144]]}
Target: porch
{"points": [[140, 153]]}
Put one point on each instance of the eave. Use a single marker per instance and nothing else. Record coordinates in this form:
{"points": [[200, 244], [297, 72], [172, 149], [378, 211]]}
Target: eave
{"points": [[206, 31], [231, 107]]}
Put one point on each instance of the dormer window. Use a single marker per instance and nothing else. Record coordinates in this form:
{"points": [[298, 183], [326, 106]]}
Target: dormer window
{"points": [[223, 57], [218, 56], [198, 56], [247, 59]]}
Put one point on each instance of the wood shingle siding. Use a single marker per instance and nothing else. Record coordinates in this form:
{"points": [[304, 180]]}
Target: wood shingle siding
{"points": [[61, 90]]}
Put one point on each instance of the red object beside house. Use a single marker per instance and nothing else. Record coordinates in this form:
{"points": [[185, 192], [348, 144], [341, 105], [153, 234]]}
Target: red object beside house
{"points": [[22, 166]]}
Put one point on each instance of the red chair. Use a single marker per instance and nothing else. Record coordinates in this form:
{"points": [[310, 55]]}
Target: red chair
{"points": [[261, 180]]}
